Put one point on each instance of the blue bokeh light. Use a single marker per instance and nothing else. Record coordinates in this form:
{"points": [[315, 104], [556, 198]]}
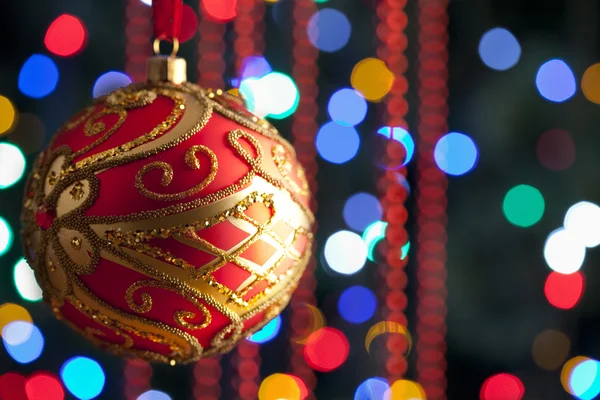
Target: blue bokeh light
{"points": [[38, 77], [455, 153], [154, 395], [23, 341], [83, 377], [347, 107], [329, 30], [555, 81], [110, 81], [268, 332], [372, 389], [499, 49], [361, 210], [584, 380], [252, 67], [403, 137], [336, 143], [357, 304]]}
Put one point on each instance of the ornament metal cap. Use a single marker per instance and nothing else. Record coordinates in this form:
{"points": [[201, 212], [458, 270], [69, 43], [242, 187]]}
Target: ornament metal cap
{"points": [[167, 69]]}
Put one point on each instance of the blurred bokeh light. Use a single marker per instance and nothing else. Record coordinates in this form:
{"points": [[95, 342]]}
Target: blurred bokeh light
{"points": [[8, 115], [523, 206], [345, 252], [38, 76], [555, 149], [110, 81], [66, 36], [12, 165], [455, 153], [219, 10], [502, 387], [563, 252], [274, 95], [372, 78], [44, 386], [154, 395], [336, 143], [6, 236], [584, 379], [499, 49], [25, 281], [347, 107], [252, 67], [23, 341], [329, 30], [326, 349], [404, 389], [279, 386], [372, 235], [582, 221], [361, 210], [401, 136], [555, 81], [10, 312], [12, 386], [357, 304], [564, 291], [83, 377], [590, 83], [372, 389], [268, 332], [550, 349]]}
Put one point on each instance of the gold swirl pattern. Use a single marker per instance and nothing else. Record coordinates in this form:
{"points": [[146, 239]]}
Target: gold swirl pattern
{"points": [[94, 127], [179, 316], [167, 176], [283, 161]]}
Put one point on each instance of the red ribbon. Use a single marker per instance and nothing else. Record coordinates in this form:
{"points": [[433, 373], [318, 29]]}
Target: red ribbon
{"points": [[167, 18]]}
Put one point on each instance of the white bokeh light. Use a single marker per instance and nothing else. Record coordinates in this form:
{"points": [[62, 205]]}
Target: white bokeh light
{"points": [[563, 252], [274, 95], [12, 165], [25, 281], [6, 236], [345, 252], [154, 395], [583, 222], [147, 2]]}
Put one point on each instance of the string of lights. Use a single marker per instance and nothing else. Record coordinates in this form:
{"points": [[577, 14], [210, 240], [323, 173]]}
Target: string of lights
{"points": [[138, 32], [207, 374], [393, 42], [211, 51], [249, 41], [304, 128], [431, 198]]}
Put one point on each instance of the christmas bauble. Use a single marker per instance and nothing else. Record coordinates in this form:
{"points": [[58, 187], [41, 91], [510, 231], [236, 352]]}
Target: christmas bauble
{"points": [[167, 222]]}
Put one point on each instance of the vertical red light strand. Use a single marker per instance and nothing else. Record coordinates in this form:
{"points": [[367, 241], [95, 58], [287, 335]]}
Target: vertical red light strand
{"points": [[138, 33], [211, 52], [431, 199], [304, 128], [393, 42], [250, 29], [207, 373]]}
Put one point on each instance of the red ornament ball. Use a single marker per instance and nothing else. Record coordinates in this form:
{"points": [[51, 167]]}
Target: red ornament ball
{"points": [[167, 222]]}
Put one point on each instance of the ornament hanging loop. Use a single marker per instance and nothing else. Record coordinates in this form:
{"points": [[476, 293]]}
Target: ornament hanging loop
{"points": [[156, 45]]}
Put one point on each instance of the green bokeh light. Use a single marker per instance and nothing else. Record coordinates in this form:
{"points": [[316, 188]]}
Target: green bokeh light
{"points": [[523, 206]]}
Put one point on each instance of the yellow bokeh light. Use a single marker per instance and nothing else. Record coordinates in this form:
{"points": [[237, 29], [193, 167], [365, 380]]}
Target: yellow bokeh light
{"points": [[279, 386], [10, 312], [590, 83], [550, 349], [404, 389], [8, 115], [565, 374], [387, 327], [372, 78]]}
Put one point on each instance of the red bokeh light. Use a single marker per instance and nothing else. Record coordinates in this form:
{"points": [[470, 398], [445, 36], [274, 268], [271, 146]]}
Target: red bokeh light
{"points": [[12, 386], [555, 149], [326, 349], [44, 386], [220, 10], [66, 36], [301, 386], [189, 23], [502, 387], [564, 291]]}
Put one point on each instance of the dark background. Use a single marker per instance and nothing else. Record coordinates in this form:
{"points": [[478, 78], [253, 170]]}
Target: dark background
{"points": [[496, 271]]}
